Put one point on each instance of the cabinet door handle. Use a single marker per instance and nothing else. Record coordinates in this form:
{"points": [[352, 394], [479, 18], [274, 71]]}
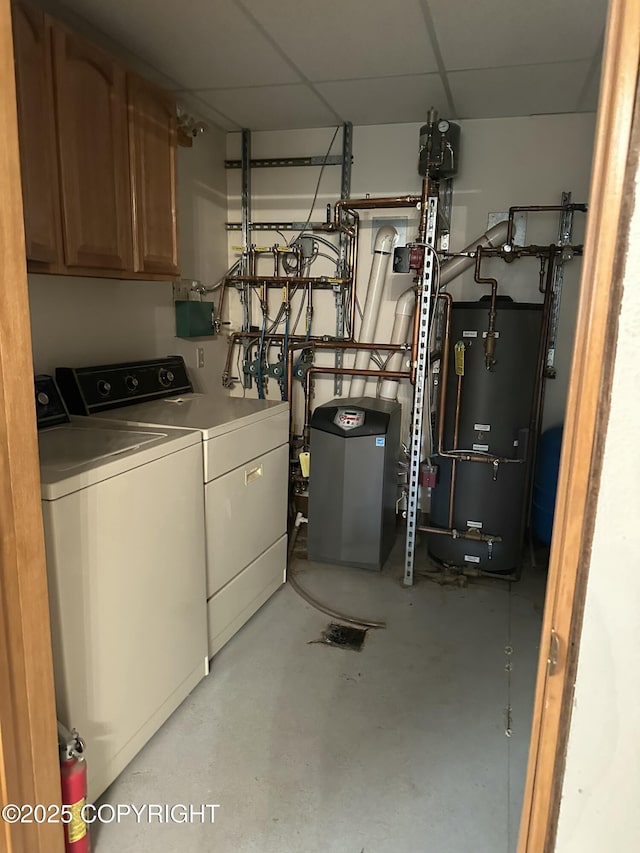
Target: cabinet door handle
{"points": [[252, 474]]}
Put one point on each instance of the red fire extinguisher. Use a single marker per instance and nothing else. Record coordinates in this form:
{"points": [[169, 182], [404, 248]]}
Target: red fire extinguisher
{"points": [[73, 777]]}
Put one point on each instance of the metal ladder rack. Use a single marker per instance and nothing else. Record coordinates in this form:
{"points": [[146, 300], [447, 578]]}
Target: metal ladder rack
{"points": [[423, 307], [246, 163]]}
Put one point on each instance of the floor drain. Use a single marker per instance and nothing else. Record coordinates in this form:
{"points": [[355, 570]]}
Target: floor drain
{"points": [[344, 636]]}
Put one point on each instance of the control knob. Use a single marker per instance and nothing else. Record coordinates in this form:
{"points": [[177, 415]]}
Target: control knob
{"points": [[131, 382], [104, 388], [43, 398], [165, 377]]}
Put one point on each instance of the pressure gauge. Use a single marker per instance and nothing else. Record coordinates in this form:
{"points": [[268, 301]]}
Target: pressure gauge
{"points": [[443, 126]]}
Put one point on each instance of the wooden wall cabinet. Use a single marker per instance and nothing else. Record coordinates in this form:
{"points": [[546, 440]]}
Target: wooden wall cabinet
{"points": [[152, 151], [91, 111], [36, 124], [98, 157]]}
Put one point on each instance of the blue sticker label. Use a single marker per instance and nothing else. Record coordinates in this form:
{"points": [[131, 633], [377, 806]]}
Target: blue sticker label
{"points": [[379, 441]]}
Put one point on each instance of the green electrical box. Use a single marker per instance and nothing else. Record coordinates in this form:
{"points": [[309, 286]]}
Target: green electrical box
{"points": [[194, 319]]}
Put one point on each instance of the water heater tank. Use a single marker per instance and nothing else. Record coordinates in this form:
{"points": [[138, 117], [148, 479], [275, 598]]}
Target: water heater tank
{"points": [[496, 409]]}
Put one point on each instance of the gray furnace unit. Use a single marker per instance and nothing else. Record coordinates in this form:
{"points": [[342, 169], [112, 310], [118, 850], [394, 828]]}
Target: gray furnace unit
{"points": [[353, 480]]}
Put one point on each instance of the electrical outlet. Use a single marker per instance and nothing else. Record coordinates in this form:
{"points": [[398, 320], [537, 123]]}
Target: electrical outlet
{"points": [[181, 290], [200, 355]]}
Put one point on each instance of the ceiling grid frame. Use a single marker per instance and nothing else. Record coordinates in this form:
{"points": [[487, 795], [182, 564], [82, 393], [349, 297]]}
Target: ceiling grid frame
{"points": [[384, 66]]}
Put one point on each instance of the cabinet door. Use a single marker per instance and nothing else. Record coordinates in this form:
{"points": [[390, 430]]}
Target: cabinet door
{"points": [[34, 89], [91, 113], [152, 149]]}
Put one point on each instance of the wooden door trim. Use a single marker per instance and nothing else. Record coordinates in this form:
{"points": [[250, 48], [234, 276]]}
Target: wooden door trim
{"points": [[29, 766], [588, 408]]}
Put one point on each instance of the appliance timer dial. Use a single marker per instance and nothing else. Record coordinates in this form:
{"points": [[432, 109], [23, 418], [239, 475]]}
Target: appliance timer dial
{"points": [[165, 377]]}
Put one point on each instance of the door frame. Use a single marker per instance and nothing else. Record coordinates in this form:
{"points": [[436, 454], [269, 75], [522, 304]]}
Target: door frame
{"points": [[587, 416], [29, 771], [29, 763]]}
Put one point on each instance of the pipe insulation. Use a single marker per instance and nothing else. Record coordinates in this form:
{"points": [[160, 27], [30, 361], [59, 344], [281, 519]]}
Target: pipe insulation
{"points": [[495, 236], [383, 247]]}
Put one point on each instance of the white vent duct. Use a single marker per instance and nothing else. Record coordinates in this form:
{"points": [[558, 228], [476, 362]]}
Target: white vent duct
{"points": [[405, 305], [382, 250]]}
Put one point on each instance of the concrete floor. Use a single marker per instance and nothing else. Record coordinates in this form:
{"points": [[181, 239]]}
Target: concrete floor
{"points": [[399, 748]]}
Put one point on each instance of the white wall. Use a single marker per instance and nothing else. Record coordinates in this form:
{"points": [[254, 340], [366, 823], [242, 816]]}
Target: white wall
{"points": [[599, 809], [79, 321], [503, 162]]}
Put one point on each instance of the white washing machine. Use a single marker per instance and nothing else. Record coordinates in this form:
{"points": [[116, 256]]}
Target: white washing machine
{"points": [[124, 530], [245, 474]]}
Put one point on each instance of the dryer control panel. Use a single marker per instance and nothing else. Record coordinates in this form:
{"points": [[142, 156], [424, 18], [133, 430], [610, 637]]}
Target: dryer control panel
{"points": [[50, 408], [90, 390]]}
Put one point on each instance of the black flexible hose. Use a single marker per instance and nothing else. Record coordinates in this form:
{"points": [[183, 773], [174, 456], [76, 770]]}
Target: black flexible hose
{"points": [[323, 608]]}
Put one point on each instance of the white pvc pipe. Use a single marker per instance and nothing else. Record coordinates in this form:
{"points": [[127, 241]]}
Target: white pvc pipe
{"points": [[450, 269], [454, 267], [381, 253], [399, 334]]}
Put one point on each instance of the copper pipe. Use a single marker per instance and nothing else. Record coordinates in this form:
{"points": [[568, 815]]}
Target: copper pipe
{"points": [[310, 344], [338, 344], [454, 462], [460, 534], [353, 266], [490, 340], [297, 342], [221, 301], [444, 367], [531, 251], [342, 343], [233, 339], [538, 394], [286, 279], [290, 352], [542, 277], [535, 207], [372, 203], [444, 375], [343, 371]]}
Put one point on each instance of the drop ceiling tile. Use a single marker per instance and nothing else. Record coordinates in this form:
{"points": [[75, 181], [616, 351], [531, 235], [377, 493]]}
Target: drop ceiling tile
{"points": [[271, 107], [494, 33], [518, 91], [385, 100], [341, 39], [198, 43]]}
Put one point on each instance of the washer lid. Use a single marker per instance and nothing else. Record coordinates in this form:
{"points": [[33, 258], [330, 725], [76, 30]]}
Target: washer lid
{"points": [[211, 414], [79, 454]]}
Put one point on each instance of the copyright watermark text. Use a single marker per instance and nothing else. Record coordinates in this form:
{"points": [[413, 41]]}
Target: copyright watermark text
{"points": [[111, 813]]}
